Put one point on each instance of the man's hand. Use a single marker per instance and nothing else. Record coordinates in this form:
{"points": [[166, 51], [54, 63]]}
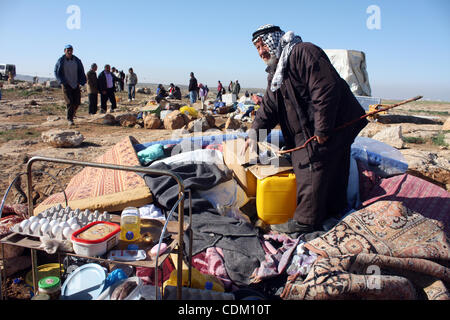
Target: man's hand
{"points": [[104, 92], [321, 140], [248, 143]]}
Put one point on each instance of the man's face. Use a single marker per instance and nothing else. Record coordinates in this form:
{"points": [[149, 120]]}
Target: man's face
{"points": [[264, 53], [68, 52], [94, 68], [107, 68]]}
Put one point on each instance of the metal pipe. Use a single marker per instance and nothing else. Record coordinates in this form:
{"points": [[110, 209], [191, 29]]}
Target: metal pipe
{"points": [[160, 241]]}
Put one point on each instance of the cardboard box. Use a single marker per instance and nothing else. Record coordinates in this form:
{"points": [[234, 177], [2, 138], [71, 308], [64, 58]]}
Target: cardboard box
{"points": [[245, 168]]}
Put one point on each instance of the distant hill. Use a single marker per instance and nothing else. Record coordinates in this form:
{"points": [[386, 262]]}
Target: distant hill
{"points": [[23, 77]]}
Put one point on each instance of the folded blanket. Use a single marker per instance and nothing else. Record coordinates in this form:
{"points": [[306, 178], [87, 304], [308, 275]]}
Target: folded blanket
{"points": [[238, 240]]}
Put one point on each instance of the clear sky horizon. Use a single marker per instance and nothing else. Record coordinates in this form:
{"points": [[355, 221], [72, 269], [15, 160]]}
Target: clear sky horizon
{"points": [[407, 53]]}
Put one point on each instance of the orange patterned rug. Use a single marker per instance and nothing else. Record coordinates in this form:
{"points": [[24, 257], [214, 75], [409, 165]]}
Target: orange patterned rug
{"points": [[384, 251], [105, 189]]}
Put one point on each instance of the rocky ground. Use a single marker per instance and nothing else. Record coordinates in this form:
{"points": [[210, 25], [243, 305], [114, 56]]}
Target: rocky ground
{"points": [[28, 112]]}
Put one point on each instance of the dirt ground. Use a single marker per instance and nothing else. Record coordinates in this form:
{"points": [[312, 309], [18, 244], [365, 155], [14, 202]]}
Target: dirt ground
{"points": [[27, 111]]}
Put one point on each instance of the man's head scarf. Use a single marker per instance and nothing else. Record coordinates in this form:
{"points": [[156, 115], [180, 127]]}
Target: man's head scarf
{"points": [[280, 45]]}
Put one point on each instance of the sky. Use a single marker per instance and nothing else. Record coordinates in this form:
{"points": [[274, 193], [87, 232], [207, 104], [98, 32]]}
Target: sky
{"points": [[406, 43]]}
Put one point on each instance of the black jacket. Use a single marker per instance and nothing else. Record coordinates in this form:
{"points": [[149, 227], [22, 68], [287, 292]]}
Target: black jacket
{"points": [[193, 84]]}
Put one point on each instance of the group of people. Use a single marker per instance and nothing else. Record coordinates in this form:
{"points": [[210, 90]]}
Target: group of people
{"points": [[69, 71], [305, 96], [174, 92]]}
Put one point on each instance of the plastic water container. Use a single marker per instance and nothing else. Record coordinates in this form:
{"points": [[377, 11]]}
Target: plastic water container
{"points": [[198, 280], [276, 198], [130, 225]]}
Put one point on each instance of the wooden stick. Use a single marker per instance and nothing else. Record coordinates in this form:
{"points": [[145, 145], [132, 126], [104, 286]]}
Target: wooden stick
{"points": [[353, 121]]}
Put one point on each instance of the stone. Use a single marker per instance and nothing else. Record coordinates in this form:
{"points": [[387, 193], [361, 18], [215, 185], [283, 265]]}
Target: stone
{"points": [[103, 118], [152, 121], [232, 124], [391, 136], [175, 120], [446, 125], [126, 119], [211, 121], [62, 138]]}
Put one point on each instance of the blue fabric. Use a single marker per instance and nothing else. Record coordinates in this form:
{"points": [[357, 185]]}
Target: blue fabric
{"points": [[115, 276]]}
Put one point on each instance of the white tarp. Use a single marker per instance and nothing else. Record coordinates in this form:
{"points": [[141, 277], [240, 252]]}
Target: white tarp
{"points": [[351, 66]]}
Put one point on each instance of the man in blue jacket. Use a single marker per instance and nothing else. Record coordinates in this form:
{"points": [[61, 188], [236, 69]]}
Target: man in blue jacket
{"points": [[69, 72]]}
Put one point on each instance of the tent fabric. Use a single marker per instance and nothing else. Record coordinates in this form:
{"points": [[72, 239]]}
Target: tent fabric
{"points": [[351, 66], [105, 189], [383, 251]]}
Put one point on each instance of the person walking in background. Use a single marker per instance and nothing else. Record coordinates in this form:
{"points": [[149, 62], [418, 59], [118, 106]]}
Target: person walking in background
{"points": [[236, 88], [219, 91], [131, 81], [230, 87], [193, 87], [92, 88], [106, 88], [69, 72]]}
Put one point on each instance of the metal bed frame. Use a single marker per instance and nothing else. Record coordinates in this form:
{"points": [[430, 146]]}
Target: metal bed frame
{"points": [[177, 241]]}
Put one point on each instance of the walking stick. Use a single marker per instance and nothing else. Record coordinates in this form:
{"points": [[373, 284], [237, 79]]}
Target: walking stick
{"points": [[353, 121]]}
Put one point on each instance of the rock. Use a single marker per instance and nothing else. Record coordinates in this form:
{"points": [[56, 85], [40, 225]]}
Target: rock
{"points": [[62, 138], [105, 118], [52, 84], [33, 103], [210, 119], [175, 120], [152, 121], [446, 125], [391, 136], [126, 119], [232, 124], [371, 129]]}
